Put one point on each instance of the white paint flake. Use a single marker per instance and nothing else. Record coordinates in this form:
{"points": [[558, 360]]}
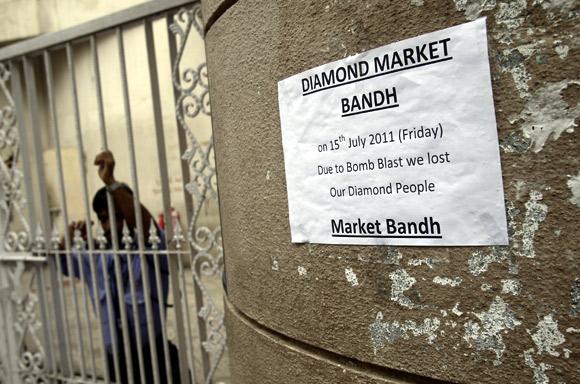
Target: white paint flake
{"points": [[547, 115], [473, 8], [547, 336], [561, 49], [485, 287], [418, 3], [302, 271], [479, 261], [392, 331], [511, 286], [351, 277], [540, 376], [275, 264], [487, 333], [452, 282], [535, 214], [575, 297], [456, 310], [567, 353], [508, 18], [572, 330], [574, 185], [428, 261], [401, 282], [554, 7], [393, 256], [513, 60]]}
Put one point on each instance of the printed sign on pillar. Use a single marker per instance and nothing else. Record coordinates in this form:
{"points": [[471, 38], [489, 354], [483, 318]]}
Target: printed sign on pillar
{"points": [[397, 145]]}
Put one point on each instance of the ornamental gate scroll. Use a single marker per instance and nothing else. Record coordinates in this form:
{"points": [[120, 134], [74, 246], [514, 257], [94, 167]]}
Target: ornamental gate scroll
{"points": [[58, 95]]}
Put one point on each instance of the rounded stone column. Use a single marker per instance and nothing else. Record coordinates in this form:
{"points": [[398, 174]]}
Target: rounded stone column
{"points": [[302, 313]]}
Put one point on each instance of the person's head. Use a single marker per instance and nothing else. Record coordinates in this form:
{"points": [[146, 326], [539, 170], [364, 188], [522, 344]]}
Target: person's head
{"points": [[101, 208]]}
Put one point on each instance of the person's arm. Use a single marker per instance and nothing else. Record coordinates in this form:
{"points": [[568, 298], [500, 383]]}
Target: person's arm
{"points": [[77, 258], [122, 198]]}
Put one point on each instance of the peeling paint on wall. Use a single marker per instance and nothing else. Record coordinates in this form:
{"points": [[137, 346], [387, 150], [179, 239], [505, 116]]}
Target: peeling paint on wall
{"points": [[456, 310], [391, 332], [275, 264], [561, 49], [487, 333], [453, 282], [547, 336], [540, 376], [553, 7], [515, 142], [567, 353], [508, 18], [479, 261], [351, 277], [535, 214], [513, 60], [401, 282], [574, 185], [474, 8], [575, 298], [510, 286], [485, 287], [547, 115], [393, 256], [428, 261]]}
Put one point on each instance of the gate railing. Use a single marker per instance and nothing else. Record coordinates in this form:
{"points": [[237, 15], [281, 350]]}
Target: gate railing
{"points": [[66, 96]]}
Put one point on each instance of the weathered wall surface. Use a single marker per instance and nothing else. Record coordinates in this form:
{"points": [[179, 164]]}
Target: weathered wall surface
{"points": [[459, 314]]}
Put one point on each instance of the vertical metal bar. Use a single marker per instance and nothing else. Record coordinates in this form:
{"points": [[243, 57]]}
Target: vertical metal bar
{"points": [[79, 139], [9, 355], [31, 93], [86, 205], [158, 120], [23, 138], [59, 299], [69, 263], [138, 218], [107, 278], [185, 175], [45, 318], [185, 298]]}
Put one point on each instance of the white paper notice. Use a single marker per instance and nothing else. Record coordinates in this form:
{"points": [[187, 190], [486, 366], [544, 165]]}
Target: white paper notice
{"points": [[397, 145]]}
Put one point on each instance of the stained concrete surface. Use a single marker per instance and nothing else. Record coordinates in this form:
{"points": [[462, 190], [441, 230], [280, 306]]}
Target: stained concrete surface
{"points": [[512, 314]]}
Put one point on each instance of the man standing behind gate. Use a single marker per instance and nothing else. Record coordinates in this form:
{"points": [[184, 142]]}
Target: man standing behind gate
{"points": [[123, 203]]}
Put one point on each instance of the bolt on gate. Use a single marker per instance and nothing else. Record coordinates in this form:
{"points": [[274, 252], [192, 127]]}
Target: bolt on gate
{"points": [[134, 83]]}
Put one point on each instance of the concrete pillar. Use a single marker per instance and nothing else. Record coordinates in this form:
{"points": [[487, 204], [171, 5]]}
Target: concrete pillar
{"points": [[309, 313]]}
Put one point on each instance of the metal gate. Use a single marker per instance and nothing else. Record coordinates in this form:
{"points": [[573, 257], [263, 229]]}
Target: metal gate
{"points": [[133, 83]]}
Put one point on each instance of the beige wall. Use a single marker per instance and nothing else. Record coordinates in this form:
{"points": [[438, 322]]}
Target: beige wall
{"points": [[22, 19]]}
